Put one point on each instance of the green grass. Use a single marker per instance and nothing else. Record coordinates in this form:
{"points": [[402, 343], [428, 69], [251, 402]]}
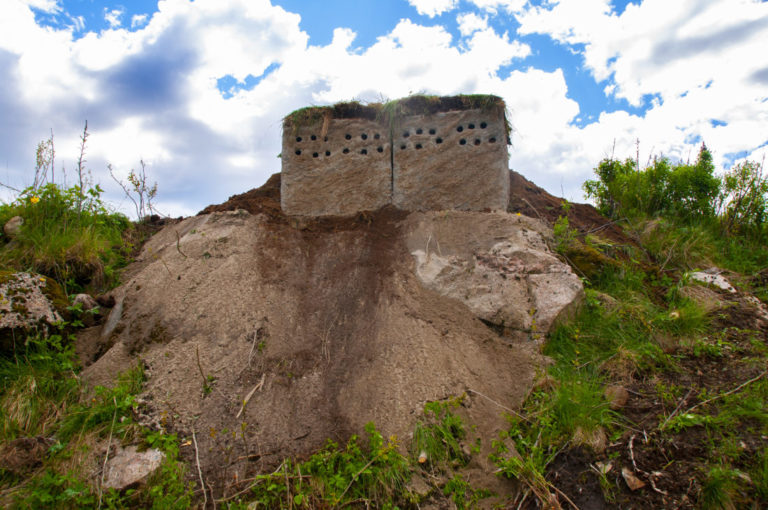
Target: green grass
{"points": [[69, 236]]}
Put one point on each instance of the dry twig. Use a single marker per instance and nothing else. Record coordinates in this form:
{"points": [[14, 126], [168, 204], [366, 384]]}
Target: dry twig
{"points": [[200, 471]]}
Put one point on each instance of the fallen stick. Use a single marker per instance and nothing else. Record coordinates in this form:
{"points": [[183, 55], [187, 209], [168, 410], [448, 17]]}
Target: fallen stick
{"points": [[248, 397], [200, 471]]}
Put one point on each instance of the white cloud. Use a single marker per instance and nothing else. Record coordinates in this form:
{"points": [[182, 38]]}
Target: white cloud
{"points": [[50, 6], [112, 17], [433, 8], [470, 22], [493, 6], [138, 20], [152, 92]]}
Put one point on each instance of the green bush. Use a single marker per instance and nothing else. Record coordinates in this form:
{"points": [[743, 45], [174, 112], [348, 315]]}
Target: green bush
{"points": [[745, 199], [682, 191]]}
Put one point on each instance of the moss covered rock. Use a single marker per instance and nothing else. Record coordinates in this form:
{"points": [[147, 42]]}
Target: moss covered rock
{"points": [[587, 260], [29, 304]]}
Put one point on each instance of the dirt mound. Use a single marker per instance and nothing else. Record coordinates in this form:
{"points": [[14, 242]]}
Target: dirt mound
{"points": [[267, 337], [262, 200]]}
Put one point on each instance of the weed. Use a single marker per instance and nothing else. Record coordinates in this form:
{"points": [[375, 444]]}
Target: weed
{"points": [[437, 438], [720, 488], [462, 494]]}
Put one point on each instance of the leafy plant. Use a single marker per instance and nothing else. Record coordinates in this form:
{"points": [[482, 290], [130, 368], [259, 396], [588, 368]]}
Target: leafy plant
{"points": [[437, 438]]}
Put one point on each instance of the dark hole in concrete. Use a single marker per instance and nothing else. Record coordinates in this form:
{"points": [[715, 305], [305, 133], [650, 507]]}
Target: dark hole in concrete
{"points": [[298, 152], [483, 125], [364, 151], [406, 134], [313, 137], [379, 149], [325, 139], [376, 136], [492, 140], [418, 146], [327, 153], [477, 141], [298, 138], [439, 140], [348, 136], [432, 131], [419, 131], [462, 142], [364, 136], [345, 151], [460, 129], [315, 154], [402, 147], [471, 126]]}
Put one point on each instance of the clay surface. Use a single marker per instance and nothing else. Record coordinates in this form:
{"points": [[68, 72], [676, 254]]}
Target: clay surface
{"points": [[444, 160], [336, 171], [451, 160]]}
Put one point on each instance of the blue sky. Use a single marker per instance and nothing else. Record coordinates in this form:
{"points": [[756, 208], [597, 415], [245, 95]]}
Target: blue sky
{"points": [[198, 89]]}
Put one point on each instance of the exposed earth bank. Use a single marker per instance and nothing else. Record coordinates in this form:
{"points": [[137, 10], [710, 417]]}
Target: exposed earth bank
{"points": [[268, 335]]}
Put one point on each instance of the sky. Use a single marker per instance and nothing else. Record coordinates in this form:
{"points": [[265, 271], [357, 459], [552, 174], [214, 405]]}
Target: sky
{"points": [[198, 89]]}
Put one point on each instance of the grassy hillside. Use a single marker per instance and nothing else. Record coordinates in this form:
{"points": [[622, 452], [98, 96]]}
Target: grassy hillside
{"points": [[656, 396]]}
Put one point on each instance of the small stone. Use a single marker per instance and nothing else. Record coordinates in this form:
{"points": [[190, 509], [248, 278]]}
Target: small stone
{"points": [[12, 226], [712, 277], [633, 482], [616, 395], [131, 468]]}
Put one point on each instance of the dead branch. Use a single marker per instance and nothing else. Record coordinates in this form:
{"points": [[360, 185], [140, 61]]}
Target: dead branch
{"points": [[200, 471]]}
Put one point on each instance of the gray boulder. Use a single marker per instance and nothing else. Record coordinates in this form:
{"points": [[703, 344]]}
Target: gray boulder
{"points": [[130, 468], [12, 226], [29, 303], [498, 265]]}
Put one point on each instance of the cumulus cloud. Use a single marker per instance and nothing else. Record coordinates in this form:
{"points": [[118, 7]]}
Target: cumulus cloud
{"points": [[50, 6], [684, 62], [494, 6], [433, 8], [152, 92], [112, 17], [470, 22], [138, 20]]}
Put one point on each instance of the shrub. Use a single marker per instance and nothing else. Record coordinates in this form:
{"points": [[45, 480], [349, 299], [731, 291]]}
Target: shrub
{"points": [[685, 192]]}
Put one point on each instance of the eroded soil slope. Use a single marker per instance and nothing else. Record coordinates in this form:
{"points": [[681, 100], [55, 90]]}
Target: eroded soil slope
{"points": [[324, 325]]}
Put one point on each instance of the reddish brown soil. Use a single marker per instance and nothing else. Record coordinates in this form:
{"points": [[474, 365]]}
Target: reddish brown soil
{"points": [[525, 197]]}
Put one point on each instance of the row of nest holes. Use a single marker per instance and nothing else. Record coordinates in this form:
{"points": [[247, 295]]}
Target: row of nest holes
{"points": [[463, 141], [364, 136], [406, 134]]}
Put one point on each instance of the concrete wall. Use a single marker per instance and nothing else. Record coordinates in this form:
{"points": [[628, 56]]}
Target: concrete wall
{"points": [[446, 160]]}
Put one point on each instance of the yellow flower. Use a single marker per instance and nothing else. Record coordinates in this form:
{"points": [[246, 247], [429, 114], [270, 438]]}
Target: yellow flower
{"points": [[34, 200]]}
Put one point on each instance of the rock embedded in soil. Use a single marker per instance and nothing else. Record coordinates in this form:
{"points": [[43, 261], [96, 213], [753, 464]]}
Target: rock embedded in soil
{"points": [[29, 303], [616, 395], [498, 265], [130, 468], [89, 308], [13, 226]]}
